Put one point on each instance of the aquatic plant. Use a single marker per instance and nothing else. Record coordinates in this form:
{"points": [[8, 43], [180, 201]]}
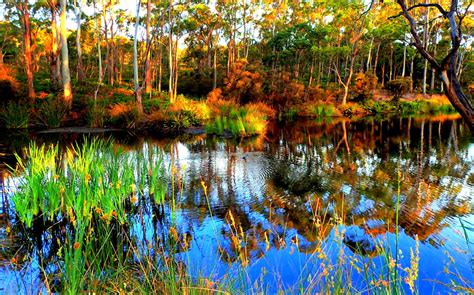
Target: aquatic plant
{"points": [[90, 186], [241, 121]]}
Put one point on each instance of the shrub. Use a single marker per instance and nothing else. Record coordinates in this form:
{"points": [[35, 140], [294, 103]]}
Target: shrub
{"points": [[364, 85], [378, 107], [51, 113], [243, 84], [8, 85], [398, 87], [15, 115], [124, 115]]}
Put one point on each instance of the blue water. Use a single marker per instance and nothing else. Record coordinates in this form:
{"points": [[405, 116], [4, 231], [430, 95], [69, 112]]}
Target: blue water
{"points": [[277, 187]]}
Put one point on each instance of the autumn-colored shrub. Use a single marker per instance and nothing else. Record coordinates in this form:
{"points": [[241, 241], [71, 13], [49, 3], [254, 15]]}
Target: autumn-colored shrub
{"points": [[199, 109], [123, 115], [9, 86], [261, 108], [243, 84], [316, 93], [364, 86]]}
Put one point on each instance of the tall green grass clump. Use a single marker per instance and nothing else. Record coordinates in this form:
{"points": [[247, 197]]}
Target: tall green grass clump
{"points": [[15, 115], [322, 110], [51, 113], [89, 189], [240, 121]]}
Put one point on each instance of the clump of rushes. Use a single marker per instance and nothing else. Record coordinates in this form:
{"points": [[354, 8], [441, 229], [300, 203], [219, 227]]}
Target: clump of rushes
{"points": [[15, 115], [246, 120], [86, 187]]}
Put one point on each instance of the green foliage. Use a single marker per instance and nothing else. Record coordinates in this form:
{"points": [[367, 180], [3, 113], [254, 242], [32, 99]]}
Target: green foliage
{"points": [[96, 116], [378, 107], [242, 121], [289, 114], [87, 190], [182, 119], [15, 115], [51, 113], [424, 107], [323, 110]]}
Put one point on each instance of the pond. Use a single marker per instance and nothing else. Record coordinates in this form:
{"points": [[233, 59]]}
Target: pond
{"points": [[311, 206]]}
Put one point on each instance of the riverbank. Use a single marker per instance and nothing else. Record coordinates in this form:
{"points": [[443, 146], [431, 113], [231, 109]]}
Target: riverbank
{"points": [[115, 108]]}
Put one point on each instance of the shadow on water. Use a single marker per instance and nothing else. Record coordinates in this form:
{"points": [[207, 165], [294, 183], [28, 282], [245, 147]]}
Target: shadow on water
{"points": [[268, 193]]}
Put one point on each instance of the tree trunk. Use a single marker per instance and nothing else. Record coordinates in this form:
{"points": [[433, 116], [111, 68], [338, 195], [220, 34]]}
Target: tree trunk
{"points": [[214, 78], [148, 85], [425, 44], [80, 69], [170, 54], [447, 68], [54, 62], [66, 75], [390, 64], [369, 57], [404, 58], [453, 90], [138, 89], [25, 20]]}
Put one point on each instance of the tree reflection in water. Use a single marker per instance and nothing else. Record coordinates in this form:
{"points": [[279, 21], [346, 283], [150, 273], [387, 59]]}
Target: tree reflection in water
{"points": [[295, 187]]}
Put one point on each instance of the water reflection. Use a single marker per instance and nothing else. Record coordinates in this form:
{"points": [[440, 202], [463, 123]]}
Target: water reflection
{"points": [[282, 196]]}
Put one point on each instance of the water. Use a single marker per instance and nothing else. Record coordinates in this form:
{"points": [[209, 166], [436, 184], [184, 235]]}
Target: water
{"points": [[275, 201]]}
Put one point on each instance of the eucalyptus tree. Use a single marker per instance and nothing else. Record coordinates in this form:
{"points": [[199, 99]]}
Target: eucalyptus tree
{"points": [[447, 67], [65, 72], [23, 9], [137, 87], [78, 11]]}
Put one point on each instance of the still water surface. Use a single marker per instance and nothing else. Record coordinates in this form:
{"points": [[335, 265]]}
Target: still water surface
{"points": [[280, 209]]}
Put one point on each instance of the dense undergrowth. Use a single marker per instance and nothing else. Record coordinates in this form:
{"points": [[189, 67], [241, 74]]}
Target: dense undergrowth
{"points": [[241, 107]]}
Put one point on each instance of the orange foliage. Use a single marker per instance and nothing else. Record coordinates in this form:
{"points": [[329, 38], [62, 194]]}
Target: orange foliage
{"points": [[241, 84], [260, 107], [120, 109], [9, 86]]}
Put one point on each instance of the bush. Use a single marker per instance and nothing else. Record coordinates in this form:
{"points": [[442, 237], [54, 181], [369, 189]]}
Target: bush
{"points": [[364, 86], [15, 115], [398, 87], [378, 107], [123, 115], [243, 84], [9, 86]]}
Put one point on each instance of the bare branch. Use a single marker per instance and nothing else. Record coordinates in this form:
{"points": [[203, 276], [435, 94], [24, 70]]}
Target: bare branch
{"points": [[439, 7], [417, 41]]}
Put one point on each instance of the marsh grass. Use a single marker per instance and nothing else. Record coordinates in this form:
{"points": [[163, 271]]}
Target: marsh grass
{"points": [[15, 115], [101, 200], [239, 121]]}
